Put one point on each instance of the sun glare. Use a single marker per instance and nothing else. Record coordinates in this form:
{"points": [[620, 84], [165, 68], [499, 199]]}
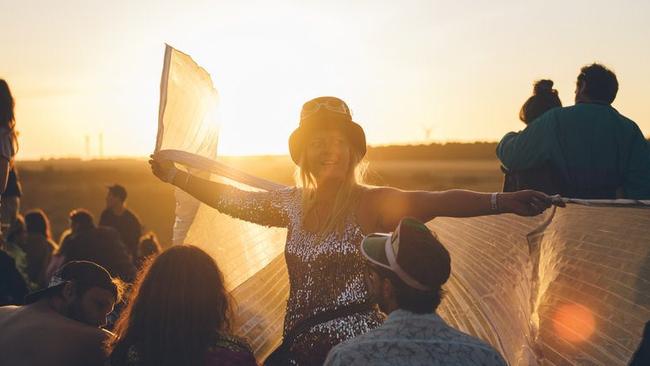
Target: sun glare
{"points": [[574, 322]]}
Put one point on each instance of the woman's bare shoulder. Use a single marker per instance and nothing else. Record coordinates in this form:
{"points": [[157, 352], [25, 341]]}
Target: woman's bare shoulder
{"points": [[371, 207]]}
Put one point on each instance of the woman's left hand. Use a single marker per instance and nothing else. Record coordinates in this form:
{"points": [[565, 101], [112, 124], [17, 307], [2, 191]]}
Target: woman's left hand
{"points": [[524, 203]]}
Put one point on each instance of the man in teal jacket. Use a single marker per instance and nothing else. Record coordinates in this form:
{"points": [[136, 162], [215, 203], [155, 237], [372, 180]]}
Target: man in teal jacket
{"points": [[598, 152]]}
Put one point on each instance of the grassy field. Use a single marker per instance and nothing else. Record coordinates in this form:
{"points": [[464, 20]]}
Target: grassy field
{"points": [[58, 186]]}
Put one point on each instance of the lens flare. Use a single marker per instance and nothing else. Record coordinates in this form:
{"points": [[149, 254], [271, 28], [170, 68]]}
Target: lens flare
{"points": [[574, 322]]}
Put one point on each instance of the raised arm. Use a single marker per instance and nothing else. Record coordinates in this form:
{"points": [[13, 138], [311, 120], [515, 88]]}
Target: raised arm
{"points": [[264, 207], [393, 204]]}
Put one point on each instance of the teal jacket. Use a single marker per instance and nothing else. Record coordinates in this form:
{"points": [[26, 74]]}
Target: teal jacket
{"points": [[592, 145]]}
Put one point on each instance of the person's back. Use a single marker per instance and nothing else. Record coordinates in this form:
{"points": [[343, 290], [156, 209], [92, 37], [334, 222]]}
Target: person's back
{"points": [[596, 144], [101, 245], [406, 271], [119, 217], [408, 338], [38, 250], [13, 287], [33, 335], [599, 152], [178, 314]]}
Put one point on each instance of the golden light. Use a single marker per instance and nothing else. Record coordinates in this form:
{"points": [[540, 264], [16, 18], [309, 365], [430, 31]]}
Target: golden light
{"points": [[574, 322]]}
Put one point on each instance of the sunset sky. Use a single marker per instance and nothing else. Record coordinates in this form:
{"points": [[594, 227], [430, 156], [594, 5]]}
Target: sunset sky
{"points": [[79, 68]]}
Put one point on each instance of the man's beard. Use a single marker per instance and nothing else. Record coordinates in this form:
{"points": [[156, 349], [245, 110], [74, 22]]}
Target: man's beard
{"points": [[379, 300], [74, 311]]}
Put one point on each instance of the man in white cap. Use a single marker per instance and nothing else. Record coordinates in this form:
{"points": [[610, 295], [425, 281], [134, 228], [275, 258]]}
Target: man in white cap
{"points": [[406, 272]]}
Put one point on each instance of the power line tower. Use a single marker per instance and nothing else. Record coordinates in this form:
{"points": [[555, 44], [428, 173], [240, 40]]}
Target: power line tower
{"points": [[87, 138], [427, 133], [101, 145]]}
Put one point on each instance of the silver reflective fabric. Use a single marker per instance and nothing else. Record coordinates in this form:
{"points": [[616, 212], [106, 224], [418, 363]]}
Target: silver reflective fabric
{"points": [[571, 286]]}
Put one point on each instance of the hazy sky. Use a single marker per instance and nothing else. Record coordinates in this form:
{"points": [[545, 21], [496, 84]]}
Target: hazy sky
{"points": [[462, 69]]}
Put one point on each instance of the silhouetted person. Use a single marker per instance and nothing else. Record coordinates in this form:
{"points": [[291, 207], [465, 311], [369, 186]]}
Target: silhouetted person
{"points": [[38, 246], [13, 245], [543, 177], [103, 246], [9, 186], [117, 216], [147, 248], [598, 152], [406, 272], [60, 324], [10, 199], [13, 287], [179, 314], [81, 220]]}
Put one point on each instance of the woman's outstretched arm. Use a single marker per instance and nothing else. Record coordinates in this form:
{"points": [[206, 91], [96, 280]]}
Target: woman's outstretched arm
{"points": [[263, 207], [393, 204], [204, 190]]}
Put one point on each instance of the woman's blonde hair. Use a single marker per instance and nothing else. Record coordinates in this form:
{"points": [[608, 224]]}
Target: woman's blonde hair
{"points": [[345, 197]]}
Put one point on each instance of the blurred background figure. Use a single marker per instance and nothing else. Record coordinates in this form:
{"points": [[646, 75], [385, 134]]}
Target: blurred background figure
{"points": [[81, 220], [117, 216], [13, 246], [178, 314], [13, 287], [38, 246], [101, 245], [148, 247], [543, 177], [9, 184], [597, 152]]}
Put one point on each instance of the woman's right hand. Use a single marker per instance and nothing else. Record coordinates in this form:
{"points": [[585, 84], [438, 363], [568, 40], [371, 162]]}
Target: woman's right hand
{"points": [[162, 168]]}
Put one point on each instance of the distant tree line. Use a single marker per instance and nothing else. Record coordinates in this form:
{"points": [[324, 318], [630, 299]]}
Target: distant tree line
{"points": [[448, 151], [434, 151]]}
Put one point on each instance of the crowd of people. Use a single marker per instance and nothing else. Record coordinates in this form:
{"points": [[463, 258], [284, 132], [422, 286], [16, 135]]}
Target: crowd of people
{"points": [[105, 295], [33, 258]]}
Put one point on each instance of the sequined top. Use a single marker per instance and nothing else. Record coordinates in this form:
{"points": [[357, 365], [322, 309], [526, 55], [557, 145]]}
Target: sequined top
{"points": [[324, 274]]}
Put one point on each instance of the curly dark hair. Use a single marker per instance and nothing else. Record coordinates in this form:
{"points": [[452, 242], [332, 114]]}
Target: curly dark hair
{"points": [[599, 82]]}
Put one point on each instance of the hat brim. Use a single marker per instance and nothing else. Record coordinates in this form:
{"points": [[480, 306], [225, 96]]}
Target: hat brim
{"points": [[353, 131], [373, 248], [37, 295]]}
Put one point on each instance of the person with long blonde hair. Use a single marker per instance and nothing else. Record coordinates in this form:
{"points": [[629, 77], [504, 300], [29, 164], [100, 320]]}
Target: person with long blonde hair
{"points": [[327, 215]]}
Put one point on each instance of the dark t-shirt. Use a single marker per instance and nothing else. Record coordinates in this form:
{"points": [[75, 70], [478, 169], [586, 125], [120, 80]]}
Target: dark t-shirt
{"points": [[127, 224], [12, 285]]}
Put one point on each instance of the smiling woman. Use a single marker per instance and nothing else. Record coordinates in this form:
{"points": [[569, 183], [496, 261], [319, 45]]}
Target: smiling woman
{"points": [[326, 216]]}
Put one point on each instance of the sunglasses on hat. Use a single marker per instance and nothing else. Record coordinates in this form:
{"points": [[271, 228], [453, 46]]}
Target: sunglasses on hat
{"points": [[331, 104]]}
